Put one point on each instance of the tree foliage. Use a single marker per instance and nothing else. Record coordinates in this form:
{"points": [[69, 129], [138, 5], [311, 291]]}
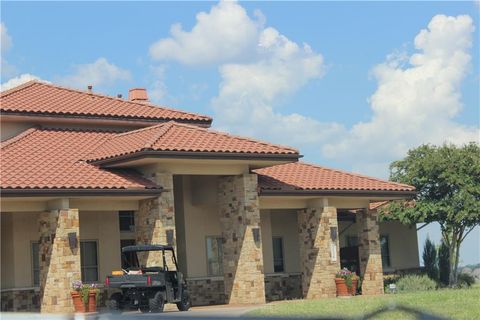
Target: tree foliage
{"points": [[447, 180]]}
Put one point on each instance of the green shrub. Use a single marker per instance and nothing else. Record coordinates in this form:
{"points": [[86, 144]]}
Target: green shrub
{"points": [[465, 280], [430, 259], [410, 283], [443, 263]]}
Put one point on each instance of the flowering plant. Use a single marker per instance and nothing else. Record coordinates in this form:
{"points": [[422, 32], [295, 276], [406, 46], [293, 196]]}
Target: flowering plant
{"points": [[348, 276], [84, 289]]}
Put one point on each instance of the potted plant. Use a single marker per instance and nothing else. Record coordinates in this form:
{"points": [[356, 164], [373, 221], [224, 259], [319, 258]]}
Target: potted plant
{"points": [[77, 298], [346, 282], [84, 296]]}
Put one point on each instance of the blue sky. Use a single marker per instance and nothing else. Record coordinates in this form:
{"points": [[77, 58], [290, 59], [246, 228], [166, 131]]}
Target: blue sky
{"points": [[359, 94]]}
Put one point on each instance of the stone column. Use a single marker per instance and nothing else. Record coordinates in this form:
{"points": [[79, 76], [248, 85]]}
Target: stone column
{"points": [[242, 243], [59, 263], [370, 253], [155, 220], [319, 254]]}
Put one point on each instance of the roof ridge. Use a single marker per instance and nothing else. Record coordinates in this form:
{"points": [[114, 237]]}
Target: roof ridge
{"points": [[19, 87], [354, 174], [164, 129], [126, 133], [209, 130], [19, 137], [101, 95]]}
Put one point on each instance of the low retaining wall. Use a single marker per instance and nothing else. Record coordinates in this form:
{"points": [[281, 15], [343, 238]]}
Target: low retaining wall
{"points": [[283, 286], [206, 291], [20, 299]]}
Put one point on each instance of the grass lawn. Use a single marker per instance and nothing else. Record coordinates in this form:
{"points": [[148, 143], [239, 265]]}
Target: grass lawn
{"points": [[454, 304]]}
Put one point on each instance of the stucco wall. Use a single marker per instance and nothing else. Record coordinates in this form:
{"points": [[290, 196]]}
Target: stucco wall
{"points": [[402, 242], [11, 129], [201, 220], [284, 224], [104, 228]]}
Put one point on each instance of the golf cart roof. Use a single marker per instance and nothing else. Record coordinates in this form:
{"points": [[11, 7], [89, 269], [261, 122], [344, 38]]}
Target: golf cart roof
{"points": [[146, 247]]}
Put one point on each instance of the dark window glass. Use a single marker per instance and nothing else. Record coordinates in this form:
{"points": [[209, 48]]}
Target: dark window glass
{"points": [[278, 264], [35, 264], [214, 256], [127, 220], [128, 258], [89, 261], [385, 251]]}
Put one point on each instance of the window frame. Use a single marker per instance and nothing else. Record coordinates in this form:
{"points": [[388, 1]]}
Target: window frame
{"points": [[385, 265], [97, 258], [283, 254], [32, 257], [220, 262]]}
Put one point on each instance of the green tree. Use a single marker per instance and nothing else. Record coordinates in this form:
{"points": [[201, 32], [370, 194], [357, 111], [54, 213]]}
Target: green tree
{"points": [[443, 263], [447, 179], [430, 259]]}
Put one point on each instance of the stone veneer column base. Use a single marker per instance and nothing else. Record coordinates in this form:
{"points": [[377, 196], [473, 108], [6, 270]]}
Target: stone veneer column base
{"points": [[318, 275], [155, 219], [242, 255], [59, 264], [370, 253]]}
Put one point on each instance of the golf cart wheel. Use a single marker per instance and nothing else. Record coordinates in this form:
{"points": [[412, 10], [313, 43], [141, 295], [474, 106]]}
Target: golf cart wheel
{"points": [[115, 302], [144, 309], [185, 303], [157, 303]]}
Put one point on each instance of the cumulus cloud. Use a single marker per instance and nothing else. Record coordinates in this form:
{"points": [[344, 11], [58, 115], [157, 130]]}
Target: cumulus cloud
{"points": [[21, 79], [98, 73], [416, 100], [224, 34]]}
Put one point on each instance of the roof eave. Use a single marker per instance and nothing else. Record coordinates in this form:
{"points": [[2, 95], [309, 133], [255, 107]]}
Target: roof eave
{"points": [[356, 193], [44, 192], [195, 155], [207, 122]]}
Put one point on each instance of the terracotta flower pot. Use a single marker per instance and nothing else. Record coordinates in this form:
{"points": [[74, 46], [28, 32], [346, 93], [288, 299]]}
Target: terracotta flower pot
{"points": [[77, 301], [92, 301], [342, 289]]}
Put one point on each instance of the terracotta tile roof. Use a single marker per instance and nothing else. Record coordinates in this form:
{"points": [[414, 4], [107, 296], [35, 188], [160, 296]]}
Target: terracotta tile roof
{"points": [[173, 136], [36, 97], [301, 176], [52, 159]]}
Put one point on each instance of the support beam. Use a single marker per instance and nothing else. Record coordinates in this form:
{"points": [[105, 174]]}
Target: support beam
{"points": [[242, 242], [155, 220], [370, 253], [319, 251], [59, 254]]}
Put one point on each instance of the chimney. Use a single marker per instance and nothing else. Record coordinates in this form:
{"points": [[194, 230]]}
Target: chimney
{"points": [[89, 88], [137, 94]]}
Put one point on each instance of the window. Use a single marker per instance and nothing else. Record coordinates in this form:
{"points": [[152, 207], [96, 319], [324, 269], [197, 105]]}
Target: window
{"points": [[89, 261], [35, 264], [214, 256], [352, 241], [385, 251], [128, 258], [278, 264], [127, 220]]}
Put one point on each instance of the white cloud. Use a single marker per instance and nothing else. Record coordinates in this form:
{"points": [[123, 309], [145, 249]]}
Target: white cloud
{"points": [[416, 103], [98, 73], [6, 40], [224, 34], [21, 79], [7, 69]]}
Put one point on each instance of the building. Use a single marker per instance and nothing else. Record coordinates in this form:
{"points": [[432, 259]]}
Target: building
{"points": [[84, 174]]}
